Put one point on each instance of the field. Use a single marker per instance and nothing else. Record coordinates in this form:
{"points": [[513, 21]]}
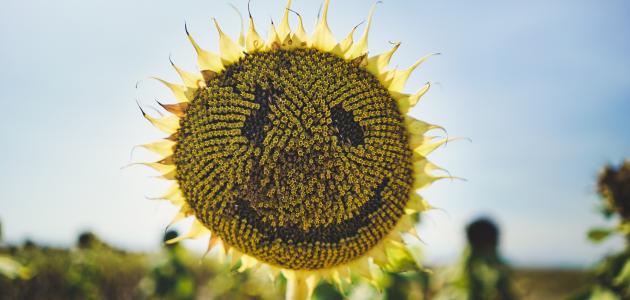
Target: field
{"points": [[97, 271], [539, 284]]}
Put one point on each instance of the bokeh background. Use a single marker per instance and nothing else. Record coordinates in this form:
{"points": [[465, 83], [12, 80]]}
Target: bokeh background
{"points": [[541, 89]]}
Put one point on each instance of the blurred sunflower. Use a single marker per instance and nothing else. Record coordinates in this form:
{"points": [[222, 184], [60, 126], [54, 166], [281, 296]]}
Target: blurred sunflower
{"points": [[296, 153], [612, 274]]}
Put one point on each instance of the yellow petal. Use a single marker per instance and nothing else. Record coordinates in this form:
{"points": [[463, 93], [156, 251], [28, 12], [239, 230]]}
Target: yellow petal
{"points": [[289, 42], [168, 124], [226, 247], [361, 47], [174, 195], [401, 76], [297, 289], [413, 99], [161, 168], [169, 176], [415, 141], [401, 100], [386, 77], [231, 52], [247, 262], [425, 167], [399, 258], [417, 204], [178, 109], [423, 174], [221, 256], [341, 48], [171, 190], [288, 274], [336, 278], [300, 36], [195, 230], [273, 272], [344, 273], [418, 127], [362, 268], [414, 233], [254, 42], [183, 213], [213, 241], [323, 38], [378, 63], [241, 37], [428, 145], [404, 224], [206, 60], [406, 101], [379, 256], [395, 236], [177, 199], [284, 29], [341, 277], [311, 284], [380, 279], [235, 258], [162, 147], [190, 80], [273, 39], [181, 93]]}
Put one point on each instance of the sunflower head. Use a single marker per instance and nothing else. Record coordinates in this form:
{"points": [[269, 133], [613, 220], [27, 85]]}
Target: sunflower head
{"points": [[296, 153], [613, 184]]}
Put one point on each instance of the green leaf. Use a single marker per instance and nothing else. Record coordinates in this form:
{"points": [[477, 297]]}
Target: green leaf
{"points": [[12, 269], [599, 234], [603, 294], [624, 275], [624, 227]]}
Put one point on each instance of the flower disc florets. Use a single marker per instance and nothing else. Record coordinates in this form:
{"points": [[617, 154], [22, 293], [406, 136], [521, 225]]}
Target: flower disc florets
{"points": [[296, 157]]}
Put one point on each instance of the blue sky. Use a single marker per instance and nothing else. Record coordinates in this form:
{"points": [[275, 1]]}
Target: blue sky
{"points": [[541, 88]]}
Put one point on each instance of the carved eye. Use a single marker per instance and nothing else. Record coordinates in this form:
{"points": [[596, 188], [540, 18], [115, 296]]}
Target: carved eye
{"points": [[347, 129]]}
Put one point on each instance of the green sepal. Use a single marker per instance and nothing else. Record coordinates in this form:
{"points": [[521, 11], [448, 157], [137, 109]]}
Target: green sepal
{"points": [[400, 260]]}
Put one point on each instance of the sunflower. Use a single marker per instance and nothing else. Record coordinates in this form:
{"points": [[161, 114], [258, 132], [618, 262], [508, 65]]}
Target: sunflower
{"points": [[296, 154]]}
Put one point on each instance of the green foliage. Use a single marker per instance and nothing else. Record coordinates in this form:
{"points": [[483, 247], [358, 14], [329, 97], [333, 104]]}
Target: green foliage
{"points": [[407, 285], [327, 291], [74, 274], [613, 185], [170, 277], [479, 276], [12, 269], [599, 234], [98, 271], [612, 274], [612, 279]]}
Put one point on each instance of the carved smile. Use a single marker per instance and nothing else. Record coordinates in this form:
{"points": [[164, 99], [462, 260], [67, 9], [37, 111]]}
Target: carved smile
{"points": [[332, 233]]}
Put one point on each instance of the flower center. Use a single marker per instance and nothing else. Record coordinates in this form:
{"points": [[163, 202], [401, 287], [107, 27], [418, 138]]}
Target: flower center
{"points": [[296, 157]]}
